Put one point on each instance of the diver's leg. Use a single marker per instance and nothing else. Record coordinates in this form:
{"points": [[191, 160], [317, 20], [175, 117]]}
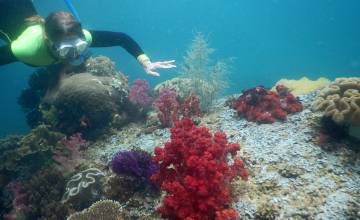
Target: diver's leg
{"points": [[12, 17]]}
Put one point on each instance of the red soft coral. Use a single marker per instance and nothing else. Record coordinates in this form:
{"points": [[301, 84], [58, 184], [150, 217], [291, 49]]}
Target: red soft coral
{"points": [[263, 106], [195, 174]]}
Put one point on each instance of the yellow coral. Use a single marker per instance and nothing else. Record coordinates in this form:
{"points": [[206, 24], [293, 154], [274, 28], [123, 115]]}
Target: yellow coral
{"points": [[341, 101], [304, 85]]}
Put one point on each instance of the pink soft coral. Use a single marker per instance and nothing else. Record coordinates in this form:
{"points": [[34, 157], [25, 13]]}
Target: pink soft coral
{"points": [[69, 156], [195, 174], [19, 201], [139, 93]]}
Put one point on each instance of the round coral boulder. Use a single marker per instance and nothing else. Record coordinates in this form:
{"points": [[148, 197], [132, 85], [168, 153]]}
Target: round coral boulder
{"points": [[86, 103]]}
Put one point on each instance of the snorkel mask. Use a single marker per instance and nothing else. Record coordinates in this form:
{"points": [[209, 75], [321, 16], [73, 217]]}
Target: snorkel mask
{"points": [[70, 49]]}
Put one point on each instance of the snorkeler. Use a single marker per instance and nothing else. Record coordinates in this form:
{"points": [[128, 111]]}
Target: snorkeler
{"points": [[60, 38]]}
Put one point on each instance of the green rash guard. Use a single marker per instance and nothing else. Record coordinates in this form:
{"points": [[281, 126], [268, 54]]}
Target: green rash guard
{"points": [[30, 47]]}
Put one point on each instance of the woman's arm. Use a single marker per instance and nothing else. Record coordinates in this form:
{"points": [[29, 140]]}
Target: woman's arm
{"points": [[6, 56], [110, 39]]}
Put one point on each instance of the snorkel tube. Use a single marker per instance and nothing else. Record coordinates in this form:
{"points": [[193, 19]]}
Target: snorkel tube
{"points": [[72, 9], [78, 61]]}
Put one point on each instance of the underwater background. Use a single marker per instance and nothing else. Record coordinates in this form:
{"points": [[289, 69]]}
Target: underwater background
{"points": [[266, 40]]}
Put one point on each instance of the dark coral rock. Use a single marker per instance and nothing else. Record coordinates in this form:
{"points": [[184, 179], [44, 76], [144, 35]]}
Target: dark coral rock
{"points": [[38, 84], [21, 157], [86, 103], [121, 188], [334, 130], [44, 193]]}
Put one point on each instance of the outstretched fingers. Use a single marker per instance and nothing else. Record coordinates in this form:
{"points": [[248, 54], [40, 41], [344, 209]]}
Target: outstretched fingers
{"points": [[153, 73], [165, 64]]}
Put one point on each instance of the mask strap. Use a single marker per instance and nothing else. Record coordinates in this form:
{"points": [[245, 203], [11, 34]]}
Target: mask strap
{"points": [[6, 35]]}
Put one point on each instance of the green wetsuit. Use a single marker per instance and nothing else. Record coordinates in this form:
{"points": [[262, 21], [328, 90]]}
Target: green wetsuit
{"points": [[30, 47]]}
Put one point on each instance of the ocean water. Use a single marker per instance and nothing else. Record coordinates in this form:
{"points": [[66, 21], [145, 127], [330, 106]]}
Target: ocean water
{"points": [[267, 39]]}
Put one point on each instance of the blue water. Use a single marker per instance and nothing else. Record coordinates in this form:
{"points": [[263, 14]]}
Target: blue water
{"points": [[269, 39]]}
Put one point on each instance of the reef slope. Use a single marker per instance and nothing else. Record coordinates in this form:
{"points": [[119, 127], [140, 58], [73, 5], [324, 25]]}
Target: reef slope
{"points": [[291, 177]]}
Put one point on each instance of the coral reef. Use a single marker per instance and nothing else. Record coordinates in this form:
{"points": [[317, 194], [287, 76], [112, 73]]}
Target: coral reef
{"points": [[9, 159], [38, 84], [195, 174], [267, 211], [86, 103], [141, 206], [121, 188], [263, 106], [19, 206], [44, 191], [25, 156], [100, 210], [71, 102], [303, 86], [341, 101], [139, 93], [101, 66], [83, 188], [323, 185], [182, 86], [136, 164]]}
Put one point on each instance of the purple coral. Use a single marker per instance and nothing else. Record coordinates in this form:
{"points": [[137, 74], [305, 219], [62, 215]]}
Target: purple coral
{"points": [[139, 93], [134, 163]]}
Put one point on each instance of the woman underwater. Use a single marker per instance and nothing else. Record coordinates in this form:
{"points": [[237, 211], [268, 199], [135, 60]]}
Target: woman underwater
{"points": [[59, 39]]}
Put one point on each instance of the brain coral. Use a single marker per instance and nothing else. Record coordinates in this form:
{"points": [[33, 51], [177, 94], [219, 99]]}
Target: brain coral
{"points": [[83, 188], [341, 101]]}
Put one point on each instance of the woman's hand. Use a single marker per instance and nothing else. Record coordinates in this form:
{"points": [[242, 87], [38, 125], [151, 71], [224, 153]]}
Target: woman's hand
{"points": [[150, 67]]}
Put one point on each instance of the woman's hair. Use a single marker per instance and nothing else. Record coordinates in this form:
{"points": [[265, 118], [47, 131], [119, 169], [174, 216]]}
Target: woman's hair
{"points": [[59, 25], [34, 20]]}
